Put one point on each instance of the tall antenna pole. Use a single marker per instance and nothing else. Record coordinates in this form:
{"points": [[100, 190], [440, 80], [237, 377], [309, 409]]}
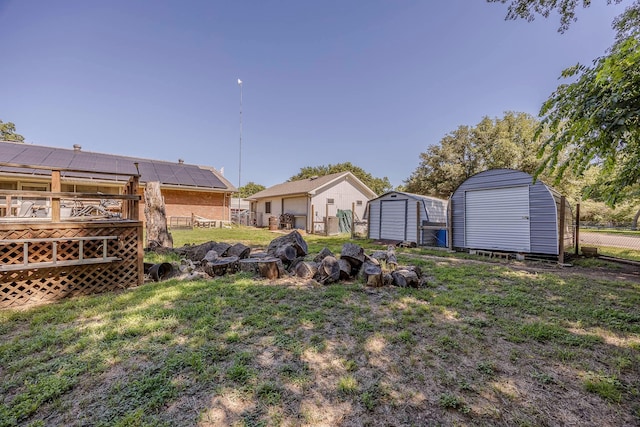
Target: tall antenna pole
{"points": [[240, 152]]}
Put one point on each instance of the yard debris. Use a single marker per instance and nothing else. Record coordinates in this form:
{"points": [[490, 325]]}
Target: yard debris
{"points": [[287, 256]]}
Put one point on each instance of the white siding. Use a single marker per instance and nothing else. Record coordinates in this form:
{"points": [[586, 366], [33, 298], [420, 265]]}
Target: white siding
{"points": [[344, 194], [498, 218]]}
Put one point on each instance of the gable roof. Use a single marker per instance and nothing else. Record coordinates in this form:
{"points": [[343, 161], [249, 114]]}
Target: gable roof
{"points": [[167, 173], [310, 186]]}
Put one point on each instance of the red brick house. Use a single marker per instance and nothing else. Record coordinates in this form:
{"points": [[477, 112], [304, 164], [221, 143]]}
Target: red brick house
{"points": [[187, 189]]}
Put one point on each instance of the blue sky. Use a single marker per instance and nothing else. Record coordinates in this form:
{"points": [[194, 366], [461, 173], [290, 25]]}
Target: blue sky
{"points": [[374, 83]]}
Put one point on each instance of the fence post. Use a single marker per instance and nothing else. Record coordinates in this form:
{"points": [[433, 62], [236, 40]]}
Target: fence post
{"points": [[577, 234], [353, 220], [561, 231]]}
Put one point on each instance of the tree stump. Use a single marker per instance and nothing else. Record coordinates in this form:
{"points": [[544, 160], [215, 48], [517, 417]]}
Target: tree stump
{"points": [[211, 256], [222, 266], [294, 239], [221, 248], [156, 216]]}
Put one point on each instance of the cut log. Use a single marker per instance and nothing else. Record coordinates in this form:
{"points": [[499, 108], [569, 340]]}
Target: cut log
{"points": [[392, 261], [156, 216], [222, 266], [249, 265], [196, 253], [268, 268], [346, 269], [306, 270], [329, 270], [211, 256], [294, 239], [387, 279], [380, 255], [371, 274], [286, 253], [405, 278], [239, 250], [325, 252], [221, 248], [353, 253]]}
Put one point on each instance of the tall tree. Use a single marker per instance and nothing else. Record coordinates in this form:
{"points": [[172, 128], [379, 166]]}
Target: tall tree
{"points": [[8, 132], [250, 188], [595, 119], [506, 142], [377, 185]]}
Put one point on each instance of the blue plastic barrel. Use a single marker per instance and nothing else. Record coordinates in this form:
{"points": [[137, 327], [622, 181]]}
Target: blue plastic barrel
{"points": [[441, 238]]}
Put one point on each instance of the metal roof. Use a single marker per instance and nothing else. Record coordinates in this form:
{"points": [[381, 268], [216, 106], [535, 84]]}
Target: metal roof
{"points": [[167, 173]]}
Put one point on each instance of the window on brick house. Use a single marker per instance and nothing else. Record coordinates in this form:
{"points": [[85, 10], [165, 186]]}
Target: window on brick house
{"points": [[267, 207]]}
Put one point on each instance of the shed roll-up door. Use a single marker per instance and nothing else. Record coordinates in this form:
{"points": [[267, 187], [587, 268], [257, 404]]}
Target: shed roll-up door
{"points": [[393, 219], [498, 218]]}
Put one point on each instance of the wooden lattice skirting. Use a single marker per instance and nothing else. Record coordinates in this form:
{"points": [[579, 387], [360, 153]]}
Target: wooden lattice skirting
{"points": [[32, 285]]}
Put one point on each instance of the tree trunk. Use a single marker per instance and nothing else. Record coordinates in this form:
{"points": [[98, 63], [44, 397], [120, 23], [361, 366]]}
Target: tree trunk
{"points": [[634, 224], [156, 216]]}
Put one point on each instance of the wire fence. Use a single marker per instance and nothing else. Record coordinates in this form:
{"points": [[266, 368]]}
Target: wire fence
{"points": [[621, 242]]}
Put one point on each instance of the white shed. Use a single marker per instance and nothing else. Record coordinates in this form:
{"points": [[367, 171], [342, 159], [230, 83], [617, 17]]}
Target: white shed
{"points": [[401, 216], [505, 210]]}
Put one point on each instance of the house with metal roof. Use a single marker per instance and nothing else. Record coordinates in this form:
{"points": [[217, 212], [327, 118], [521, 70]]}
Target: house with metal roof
{"points": [[310, 201], [187, 189]]}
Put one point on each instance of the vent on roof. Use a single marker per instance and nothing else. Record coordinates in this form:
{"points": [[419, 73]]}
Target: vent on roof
{"points": [[181, 161], [313, 177], [77, 147]]}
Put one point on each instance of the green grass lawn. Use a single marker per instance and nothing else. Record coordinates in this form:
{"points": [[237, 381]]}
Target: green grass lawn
{"points": [[480, 344]]}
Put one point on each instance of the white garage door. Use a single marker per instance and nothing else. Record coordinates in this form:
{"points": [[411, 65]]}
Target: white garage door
{"points": [[498, 219], [296, 206], [393, 219]]}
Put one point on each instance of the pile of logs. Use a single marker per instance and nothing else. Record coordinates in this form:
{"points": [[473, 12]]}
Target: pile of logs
{"points": [[288, 256]]}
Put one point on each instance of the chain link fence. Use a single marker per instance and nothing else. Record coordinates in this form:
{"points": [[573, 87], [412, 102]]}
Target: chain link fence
{"points": [[619, 242]]}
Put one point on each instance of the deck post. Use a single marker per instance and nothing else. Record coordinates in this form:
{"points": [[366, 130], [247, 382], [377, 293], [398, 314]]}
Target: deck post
{"points": [[55, 200]]}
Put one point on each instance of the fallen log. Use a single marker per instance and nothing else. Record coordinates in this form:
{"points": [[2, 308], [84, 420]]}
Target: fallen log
{"points": [[196, 252]]}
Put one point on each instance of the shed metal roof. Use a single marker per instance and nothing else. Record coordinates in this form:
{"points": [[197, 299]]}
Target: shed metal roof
{"points": [[167, 173]]}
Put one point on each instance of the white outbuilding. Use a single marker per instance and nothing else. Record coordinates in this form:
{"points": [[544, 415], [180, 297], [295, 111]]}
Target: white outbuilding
{"points": [[400, 216]]}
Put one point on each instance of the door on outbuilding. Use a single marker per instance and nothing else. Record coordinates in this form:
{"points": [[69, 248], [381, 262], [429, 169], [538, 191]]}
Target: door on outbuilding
{"points": [[498, 218], [393, 219]]}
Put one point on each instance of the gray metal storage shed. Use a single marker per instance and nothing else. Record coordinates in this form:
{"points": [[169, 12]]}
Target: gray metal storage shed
{"points": [[503, 209], [399, 216]]}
